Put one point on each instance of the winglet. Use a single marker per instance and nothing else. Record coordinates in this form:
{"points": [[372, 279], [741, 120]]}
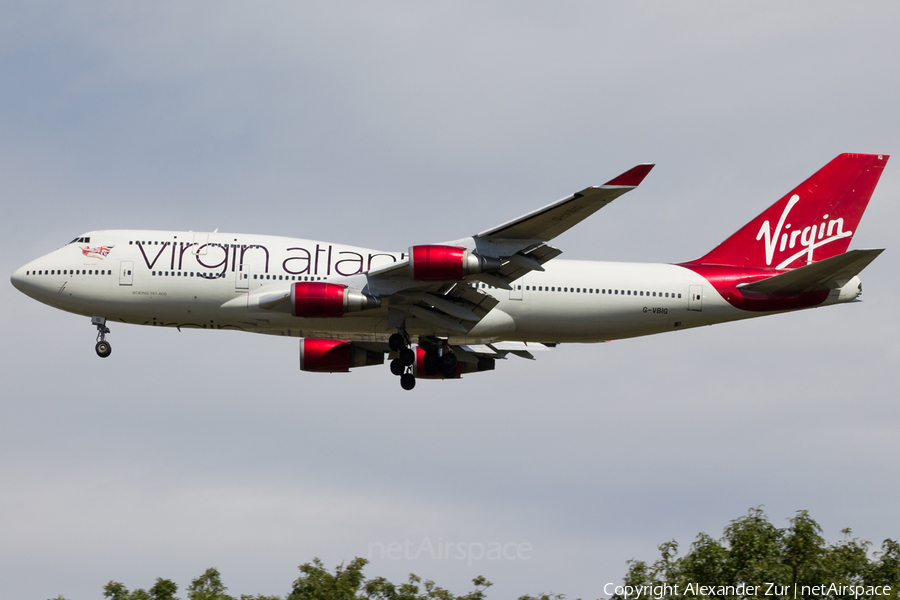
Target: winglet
{"points": [[632, 177]]}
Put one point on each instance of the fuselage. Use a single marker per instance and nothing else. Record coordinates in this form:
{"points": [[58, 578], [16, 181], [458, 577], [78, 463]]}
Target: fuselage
{"points": [[216, 281]]}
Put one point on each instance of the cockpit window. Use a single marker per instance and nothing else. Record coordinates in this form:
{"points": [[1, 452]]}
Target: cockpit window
{"points": [[81, 240]]}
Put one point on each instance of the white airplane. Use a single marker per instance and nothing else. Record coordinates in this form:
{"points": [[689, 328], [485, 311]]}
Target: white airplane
{"points": [[442, 310]]}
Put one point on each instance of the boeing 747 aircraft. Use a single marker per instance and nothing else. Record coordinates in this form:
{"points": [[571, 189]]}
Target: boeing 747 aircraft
{"points": [[441, 310]]}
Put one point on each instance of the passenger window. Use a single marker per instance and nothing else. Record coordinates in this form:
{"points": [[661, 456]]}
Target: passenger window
{"points": [[679, 295]]}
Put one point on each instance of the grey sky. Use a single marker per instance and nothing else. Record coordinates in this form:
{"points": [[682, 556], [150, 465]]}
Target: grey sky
{"points": [[384, 125]]}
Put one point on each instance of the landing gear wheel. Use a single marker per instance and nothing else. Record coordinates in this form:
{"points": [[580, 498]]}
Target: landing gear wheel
{"points": [[407, 357], [103, 349], [407, 381], [448, 361], [431, 362], [397, 367], [396, 342]]}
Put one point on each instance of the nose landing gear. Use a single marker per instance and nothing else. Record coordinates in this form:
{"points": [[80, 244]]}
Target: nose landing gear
{"points": [[103, 348]]}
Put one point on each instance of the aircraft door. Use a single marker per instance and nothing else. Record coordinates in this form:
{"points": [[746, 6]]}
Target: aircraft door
{"points": [[126, 268], [695, 298], [199, 243], [251, 261], [242, 277], [516, 292]]}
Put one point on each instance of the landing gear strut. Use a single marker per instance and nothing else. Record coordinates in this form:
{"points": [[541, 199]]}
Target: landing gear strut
{"points": [[102, 347]]}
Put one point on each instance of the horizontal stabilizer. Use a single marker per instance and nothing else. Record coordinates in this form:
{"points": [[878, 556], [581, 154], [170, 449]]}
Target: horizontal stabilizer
{"points": [[827, 274]]}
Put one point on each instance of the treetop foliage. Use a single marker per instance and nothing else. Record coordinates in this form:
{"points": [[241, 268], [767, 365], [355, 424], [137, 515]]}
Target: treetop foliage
{"points": [[752, 553], [755, 553]]}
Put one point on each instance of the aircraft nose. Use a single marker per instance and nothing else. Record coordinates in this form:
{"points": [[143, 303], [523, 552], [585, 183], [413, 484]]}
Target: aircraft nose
{"points": [[18, 279]]}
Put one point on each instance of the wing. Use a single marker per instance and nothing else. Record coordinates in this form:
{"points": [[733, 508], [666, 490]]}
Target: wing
{"points": [[495, 257], [451, 286], [550, 221]]}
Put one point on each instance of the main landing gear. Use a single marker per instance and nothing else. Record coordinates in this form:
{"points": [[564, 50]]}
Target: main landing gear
{"points": [[438, 359], [406, 356], [102, 347]]}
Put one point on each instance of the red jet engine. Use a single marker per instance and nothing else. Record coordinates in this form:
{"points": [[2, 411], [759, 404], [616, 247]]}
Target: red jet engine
{"points": [[447, 263], [316, 299], [335, 356]]}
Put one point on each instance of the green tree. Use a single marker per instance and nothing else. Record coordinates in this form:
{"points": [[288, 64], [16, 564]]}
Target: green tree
{"points": [[751, 552], [163, 589], [208, 587], [754, 552], [316, 583], [382, 589]]}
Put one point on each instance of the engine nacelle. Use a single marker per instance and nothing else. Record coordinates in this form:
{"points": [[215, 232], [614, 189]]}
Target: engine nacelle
{"points": [[335, 356], [317, 299], [483, 364], [447, 263]]}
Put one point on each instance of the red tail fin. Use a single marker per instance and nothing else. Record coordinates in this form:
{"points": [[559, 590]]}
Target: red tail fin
{"points": [[815, 221]]}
